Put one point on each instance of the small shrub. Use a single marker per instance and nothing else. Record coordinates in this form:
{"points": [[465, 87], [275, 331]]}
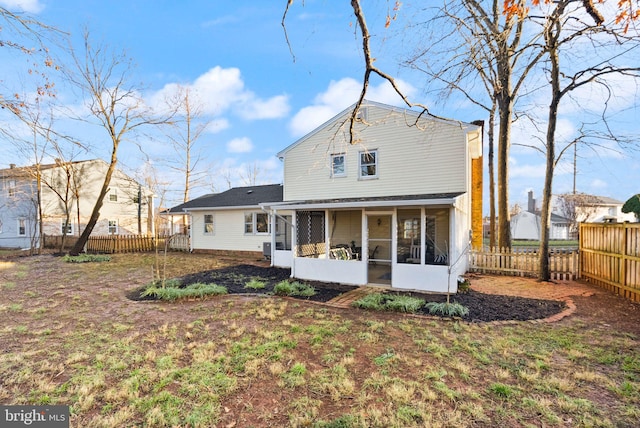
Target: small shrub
{"points": [[501, 390], [464, 285], [389, 302], [447, 309], [295, 288], [174, 292], [255, 284], [86, 258]]}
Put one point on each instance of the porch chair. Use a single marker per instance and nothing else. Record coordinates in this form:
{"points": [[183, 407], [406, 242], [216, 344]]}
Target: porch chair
{"points": [[414, 254]]}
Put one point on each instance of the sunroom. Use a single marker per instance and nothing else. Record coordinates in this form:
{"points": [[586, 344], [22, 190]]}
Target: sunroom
{"points": [[409, 242]]}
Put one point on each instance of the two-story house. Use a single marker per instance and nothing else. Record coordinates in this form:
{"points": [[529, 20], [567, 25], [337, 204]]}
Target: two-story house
{"points": [[396, 208], [69, 190]]}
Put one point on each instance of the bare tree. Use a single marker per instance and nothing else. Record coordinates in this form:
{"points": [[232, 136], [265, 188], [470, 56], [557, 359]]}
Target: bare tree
{"points": [[577, 208], [562, 27], [184, 133], [114, 104]]}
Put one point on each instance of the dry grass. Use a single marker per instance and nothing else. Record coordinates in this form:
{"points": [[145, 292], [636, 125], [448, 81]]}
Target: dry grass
{"points": [[71, 337]]}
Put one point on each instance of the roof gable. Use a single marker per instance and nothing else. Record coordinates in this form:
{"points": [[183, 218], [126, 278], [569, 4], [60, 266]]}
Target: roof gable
{"points": [[344, 115], [250, 196]]}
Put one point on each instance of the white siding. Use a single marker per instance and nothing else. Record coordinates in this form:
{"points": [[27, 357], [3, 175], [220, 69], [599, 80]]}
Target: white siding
{"points": [[228, 232], [430, 158]]}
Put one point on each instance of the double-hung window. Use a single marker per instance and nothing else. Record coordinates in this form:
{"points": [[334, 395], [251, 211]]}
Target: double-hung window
{"points": [[338, 168], [22, 227], [113, 227], [113, 195], [256, 223], [11, 188], [67, 228], [208, 224], [368, 163]]}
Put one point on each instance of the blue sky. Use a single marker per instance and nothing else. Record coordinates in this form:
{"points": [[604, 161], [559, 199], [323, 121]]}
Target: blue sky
{"points": [[259, 100]]}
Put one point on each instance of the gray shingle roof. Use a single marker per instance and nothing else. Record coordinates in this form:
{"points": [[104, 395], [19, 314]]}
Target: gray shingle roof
{"points": [[235, 197]]}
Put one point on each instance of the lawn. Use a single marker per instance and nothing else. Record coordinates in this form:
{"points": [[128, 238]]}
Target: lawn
{"points": [[70, 335]]}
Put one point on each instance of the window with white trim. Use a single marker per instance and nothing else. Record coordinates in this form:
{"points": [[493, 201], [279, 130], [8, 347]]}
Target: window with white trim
{"points": [[368, 164], [338, 167], [113, 195], [208, 224], [22, 227], [11, 188], [66, 228], [256, 223], [113, 227]]}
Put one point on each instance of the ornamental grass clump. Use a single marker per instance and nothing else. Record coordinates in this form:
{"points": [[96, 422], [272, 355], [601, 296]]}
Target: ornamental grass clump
{"points": [[446, 309], [174, 291], [86, 258], [255, 284], [389, 302], [295, 288]]}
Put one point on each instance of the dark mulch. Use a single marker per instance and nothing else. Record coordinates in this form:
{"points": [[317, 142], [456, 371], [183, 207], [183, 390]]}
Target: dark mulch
{"points": [[482, 307]]}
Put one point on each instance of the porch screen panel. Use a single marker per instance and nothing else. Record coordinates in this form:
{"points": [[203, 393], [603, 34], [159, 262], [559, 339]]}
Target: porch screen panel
{"points": [[409, 236], [437, 236], [310, 233]]}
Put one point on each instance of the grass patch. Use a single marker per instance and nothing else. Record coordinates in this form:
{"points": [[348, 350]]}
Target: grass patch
{"points": [[86, 258], [294, 288], [255, 284], [173, 292], [389, 302]]}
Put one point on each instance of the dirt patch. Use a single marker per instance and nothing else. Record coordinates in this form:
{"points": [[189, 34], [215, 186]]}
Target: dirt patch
{"points": [[482, 307]]}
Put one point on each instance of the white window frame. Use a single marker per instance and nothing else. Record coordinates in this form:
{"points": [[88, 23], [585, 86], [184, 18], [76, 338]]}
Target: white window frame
{"points": [[211, 223], [113, 195], [375, 164], [22, 227], [344, 165], [250, 222], [69, 228], [114, 226]]}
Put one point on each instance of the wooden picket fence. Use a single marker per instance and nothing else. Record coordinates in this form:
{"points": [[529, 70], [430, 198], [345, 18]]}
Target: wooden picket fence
{"points": [[563, 263], [610, 257], [111, 244]]}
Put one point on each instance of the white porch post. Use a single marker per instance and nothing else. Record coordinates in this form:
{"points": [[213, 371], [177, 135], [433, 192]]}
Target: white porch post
{"points": [[326, 233]]}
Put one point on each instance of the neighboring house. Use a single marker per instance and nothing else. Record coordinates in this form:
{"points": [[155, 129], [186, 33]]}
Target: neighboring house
{"points": [[69, 188], [393, 209], [525, 225], [586, 208], [233, 220]]}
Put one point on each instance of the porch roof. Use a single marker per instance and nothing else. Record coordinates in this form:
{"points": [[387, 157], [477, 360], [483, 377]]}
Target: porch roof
{"points": [[379, 201]]}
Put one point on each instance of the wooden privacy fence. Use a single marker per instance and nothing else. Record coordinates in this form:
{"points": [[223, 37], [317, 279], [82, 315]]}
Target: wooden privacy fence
{"points": [[524, 262], [610, 257], [121, 243]]}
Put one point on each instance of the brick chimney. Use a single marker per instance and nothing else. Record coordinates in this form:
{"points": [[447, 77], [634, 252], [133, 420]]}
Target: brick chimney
{"points": [[531, 203], [476, 193]]}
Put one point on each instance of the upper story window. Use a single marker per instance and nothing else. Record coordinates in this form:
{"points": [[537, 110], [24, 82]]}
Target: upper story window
{"points": [[368, 164], [338, 168], [113, 195], [22, 227], [208, 223], [256, 223], [67, 228], [11, 188]]}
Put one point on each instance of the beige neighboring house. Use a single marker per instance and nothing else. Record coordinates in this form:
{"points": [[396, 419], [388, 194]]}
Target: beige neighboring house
{"points": [[69, 187]]}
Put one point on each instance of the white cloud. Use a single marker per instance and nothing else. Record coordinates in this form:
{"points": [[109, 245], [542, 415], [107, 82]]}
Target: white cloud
{"points": [[222, 90], [340, 95], [30, 6], [240, 145], [598, 184]]}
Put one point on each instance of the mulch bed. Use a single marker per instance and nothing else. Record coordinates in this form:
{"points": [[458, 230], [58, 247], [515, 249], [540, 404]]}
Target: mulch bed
{"points": [[482, 307]]}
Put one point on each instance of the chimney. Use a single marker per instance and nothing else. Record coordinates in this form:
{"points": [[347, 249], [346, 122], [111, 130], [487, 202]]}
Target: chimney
{"points": [[476, 192], [531, 205], [12, 165]]}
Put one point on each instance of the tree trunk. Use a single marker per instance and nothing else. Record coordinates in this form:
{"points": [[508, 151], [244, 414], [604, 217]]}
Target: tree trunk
{"points": [[492, 182], [504, 217], [95, 214], [551, 37]]}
